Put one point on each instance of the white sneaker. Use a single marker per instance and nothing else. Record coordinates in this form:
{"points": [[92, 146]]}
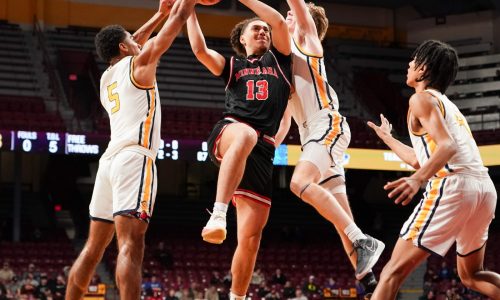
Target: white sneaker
{"points": [[215, 230]]}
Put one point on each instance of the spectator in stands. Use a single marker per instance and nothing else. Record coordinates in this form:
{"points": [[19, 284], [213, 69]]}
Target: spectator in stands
{"points": [[215, 278], [6, 273], [42, 287], [157, 295], [146, 286], [444, 271], [263, 289], [228, 278], [33, 271], [331, 284], [299, 295], [164, 256], [30, 279], [155, 284], [171, 295], [257, 81], [288, 290], [257, 277], [273, 295], [14, 286], [60, 287], [310, 286], [278, 278], [211, 293], [185, 295], [133, 106]]}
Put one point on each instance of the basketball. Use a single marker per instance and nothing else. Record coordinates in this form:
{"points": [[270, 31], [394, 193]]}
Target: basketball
{"points": [[208, 2]]}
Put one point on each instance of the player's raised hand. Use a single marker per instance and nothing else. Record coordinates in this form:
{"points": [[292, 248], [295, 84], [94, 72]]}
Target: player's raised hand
{"points": [[165, 6], [405, 187], [384, 129]]}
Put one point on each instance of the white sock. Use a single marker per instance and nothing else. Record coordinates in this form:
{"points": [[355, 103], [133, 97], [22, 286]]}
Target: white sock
{"points": [[220, 207], [236, 297], [354, 233]]}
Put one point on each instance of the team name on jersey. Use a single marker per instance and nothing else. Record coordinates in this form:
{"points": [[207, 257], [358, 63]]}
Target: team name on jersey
{"points": [[256, 71]]}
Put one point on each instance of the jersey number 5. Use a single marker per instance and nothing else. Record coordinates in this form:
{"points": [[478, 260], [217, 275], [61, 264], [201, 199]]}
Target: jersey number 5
{"points": [[262, 90], [113, 97]]}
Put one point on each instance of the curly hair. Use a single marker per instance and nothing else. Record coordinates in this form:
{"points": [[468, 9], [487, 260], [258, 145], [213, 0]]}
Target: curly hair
{"points": [[236, 33], [320, 20], [107, 41], [441, 62]]}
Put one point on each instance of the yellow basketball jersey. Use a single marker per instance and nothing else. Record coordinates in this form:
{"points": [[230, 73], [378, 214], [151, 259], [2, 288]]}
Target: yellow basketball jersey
{"points": [[467, 159], [134, 110]]}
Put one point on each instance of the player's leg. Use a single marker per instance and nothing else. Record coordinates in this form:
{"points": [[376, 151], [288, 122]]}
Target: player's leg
{"points": [[251, 219], [134, 182], [471, 241], [233, 145], [335, 185], [100, 235], [101, 232], [305, 185], [405, 258], [130, 233], [473, 275]]}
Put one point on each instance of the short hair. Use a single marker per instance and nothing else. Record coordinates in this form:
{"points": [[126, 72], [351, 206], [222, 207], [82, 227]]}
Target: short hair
{"points": [[441, 62], [235, 35], [320, 20], [107, 41]]}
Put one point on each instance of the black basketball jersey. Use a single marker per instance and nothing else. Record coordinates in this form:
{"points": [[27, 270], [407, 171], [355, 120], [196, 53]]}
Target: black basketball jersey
{"points": [[257, 89]]}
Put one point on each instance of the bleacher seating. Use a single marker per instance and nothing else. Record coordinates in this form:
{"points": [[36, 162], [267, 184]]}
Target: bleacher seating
{"points": [[27, 113], [17, 76]]}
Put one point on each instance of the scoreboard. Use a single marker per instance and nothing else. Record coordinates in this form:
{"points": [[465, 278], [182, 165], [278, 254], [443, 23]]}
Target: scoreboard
{"points": [[92, 144], [64, 143]]}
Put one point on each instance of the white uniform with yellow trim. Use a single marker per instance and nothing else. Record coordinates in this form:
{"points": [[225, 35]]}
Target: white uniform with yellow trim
{"points": [[324, 133], [459, 201], [126, 180]]}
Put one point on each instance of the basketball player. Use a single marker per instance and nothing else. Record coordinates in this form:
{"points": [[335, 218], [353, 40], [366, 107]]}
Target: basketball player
{"points": [[125, 187], [242, 143], [460, 198], [318, 178]]}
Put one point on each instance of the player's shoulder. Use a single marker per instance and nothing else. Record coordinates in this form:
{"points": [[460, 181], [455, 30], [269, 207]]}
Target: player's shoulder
{"points": [[422, 98]]}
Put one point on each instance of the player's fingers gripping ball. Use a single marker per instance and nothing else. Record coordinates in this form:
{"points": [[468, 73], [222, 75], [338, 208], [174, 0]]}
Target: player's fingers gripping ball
{"points": [[208, 2]]}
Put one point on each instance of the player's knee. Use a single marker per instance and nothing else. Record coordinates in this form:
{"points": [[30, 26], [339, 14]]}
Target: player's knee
{"points": [[91, 254], [466, 278], [250, 243], [298, 186], [132, 249], [395, 271], [247, 137]]}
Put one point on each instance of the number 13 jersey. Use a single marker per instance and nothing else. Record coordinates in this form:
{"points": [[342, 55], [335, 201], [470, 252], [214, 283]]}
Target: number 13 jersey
{"points": [[134, 110], [257, 89]]}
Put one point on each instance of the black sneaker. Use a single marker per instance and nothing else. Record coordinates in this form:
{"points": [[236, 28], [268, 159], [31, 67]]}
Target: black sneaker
{"points": [[368, 251], [369, 283]]}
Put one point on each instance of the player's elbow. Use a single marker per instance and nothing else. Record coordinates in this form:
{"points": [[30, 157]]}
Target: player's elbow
{"points": [[415, 164], [449, 147]]}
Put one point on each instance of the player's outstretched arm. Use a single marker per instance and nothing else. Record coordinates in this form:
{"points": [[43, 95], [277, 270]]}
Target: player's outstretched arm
{"points": [[407, 154], [305, 29], [141, 36], [285, 123], [211, 59], [146, 62], [280, 35]]}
